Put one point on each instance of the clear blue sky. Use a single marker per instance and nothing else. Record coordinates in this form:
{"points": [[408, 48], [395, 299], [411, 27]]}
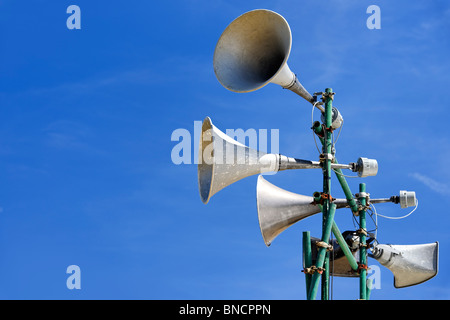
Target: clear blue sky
{"points": [[86, 118]]}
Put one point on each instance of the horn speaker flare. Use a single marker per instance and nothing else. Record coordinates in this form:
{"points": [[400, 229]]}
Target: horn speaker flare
{"points": [[253, 51], [410, 264]]}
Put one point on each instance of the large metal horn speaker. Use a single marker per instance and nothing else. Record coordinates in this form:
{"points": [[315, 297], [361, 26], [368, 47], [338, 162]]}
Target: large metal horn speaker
{"points": [[278, 209], [410, 264], [253, 51], [223, 161]]}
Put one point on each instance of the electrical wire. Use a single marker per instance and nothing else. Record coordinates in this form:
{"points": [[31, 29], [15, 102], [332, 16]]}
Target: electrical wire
{"points": [[339, 133], [396, 218], [340, 173], [371, 214]]}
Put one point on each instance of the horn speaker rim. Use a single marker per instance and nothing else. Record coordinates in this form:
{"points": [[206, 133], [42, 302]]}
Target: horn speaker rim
{"points": [[268, 231], [224, 42], [224, 161], [205, 170], [397, 281], [402, 262]]}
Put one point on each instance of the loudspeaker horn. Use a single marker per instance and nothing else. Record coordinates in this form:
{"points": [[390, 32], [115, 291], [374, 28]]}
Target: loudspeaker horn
{"points": [[253, 51], [410, 264], [278, 209], [223, 161]]}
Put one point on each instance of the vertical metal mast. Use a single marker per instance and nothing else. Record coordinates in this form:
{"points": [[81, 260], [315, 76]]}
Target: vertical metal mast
{"points": [[307, 257], [328, 208], [324, 133], [362, 243]]}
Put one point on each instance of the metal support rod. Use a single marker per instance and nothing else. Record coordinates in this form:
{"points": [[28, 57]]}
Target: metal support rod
{"points": [[318, 129], [348, 193], [344, 246], [325, 138], [326, 277], [321, 253], [327, 149], [293, 163], [363, 250], [327, 146], [307, 258], [328, 209]]}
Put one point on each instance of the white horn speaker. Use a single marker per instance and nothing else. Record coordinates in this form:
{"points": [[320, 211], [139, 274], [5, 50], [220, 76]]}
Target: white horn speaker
{"points": [[223, 161], [253, 51], [278, 209], [410, 264]]}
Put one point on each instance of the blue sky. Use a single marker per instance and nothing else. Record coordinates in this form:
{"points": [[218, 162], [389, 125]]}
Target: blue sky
{"points": [[85, 145]]}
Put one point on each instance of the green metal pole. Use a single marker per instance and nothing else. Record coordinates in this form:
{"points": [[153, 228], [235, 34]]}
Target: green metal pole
{"points": [[326, 232], [327, 146], [318, 129], [328, 208], [362, 240], [326, 149], [307, 258], [325, 138], [326, 277], [344, 246], [348, 193]]}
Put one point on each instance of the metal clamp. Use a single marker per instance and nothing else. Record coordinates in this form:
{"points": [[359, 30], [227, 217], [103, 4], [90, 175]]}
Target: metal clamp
{"points": [[313, 269], [326, 95], [362, 267], [323, 197], [325, 245], [362, 231], [363, 195], [326, 156]]}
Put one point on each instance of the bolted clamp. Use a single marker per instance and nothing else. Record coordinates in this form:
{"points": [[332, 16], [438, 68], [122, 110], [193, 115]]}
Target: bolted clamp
{"points": [[325, 95], [362, 231], [362, 267], [313, 269], [367, 245], [326, 156], [363, 195], [323, 244], [323, 197], [360, 206]]}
